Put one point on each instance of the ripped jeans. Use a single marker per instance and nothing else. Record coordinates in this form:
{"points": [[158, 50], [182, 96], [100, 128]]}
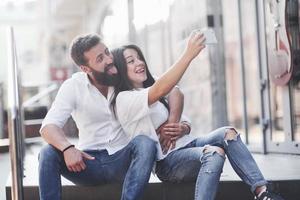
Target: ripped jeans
{"points": [[191, 164]]}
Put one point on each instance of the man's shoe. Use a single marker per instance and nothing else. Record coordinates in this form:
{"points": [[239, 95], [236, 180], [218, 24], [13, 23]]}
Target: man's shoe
{"points": [[269, 196]]}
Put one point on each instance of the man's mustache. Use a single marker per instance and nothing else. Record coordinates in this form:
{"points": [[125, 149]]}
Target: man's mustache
{"points": [[107, 67]]}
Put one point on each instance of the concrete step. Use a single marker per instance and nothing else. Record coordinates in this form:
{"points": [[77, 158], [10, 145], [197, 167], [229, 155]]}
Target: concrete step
{"points": [[282, 170], [228, 190], [4, 145]]}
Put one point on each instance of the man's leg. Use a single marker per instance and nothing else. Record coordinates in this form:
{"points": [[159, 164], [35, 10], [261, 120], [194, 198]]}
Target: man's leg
{"points": [[50, 163], [132, 164], [143, 155], [203, 164], [237, 153], [52, 166]]}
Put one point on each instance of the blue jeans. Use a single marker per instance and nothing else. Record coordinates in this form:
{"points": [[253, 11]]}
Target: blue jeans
{"points": [[191, 164], [131, 166]]}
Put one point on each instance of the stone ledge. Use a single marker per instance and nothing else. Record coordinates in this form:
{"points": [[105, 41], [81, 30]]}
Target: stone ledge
{"points": [[228, 190]]}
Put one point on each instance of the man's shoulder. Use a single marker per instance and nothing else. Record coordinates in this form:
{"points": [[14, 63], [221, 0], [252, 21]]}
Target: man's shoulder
{"points": [[78, 77]]}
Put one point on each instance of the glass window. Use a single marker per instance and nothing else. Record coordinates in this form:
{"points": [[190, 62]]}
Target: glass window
{"points": [[253, 102], [293, 10], [296, 109], [276, 98], [234, 86], [251, 71]]}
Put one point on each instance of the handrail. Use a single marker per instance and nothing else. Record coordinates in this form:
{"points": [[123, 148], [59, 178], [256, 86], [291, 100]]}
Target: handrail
{"points": [[1, 112], [16, 138], [40, 95]]}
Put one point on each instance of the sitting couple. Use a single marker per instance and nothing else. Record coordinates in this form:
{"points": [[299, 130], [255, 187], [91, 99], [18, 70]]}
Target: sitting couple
{"points": [[128, 122]]}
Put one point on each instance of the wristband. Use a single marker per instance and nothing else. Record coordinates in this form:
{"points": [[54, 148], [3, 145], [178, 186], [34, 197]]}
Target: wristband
{"points": [[68, 147], [188, 126]]}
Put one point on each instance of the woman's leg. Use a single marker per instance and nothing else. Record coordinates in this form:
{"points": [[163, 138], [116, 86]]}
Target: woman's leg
{"points": [[238, 154], [203, 164]]}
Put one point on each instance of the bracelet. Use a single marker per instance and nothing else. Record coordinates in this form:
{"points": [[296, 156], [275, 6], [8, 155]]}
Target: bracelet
{"points": [[188, 127], [68, 147]]}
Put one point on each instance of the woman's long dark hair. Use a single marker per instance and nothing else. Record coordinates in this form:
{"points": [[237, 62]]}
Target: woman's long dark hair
{"points": [[124, 83]]}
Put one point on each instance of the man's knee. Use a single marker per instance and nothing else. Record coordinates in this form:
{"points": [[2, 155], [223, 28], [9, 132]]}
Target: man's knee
{"points": [[48, 153], [144, 143]]}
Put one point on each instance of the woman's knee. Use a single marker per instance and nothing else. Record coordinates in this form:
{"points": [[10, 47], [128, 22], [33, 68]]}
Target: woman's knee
{"points": [[231, 134], [214, 157], [227, 133], [213, 149]]}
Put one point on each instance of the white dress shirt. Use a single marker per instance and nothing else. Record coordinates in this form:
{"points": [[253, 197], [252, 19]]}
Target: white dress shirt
{"points": [[98, 128], [138, 118]]}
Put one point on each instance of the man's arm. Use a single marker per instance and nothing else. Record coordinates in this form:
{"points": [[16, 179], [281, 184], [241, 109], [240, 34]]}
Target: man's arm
{"points": [[176, 102], [55, 136], [73, 157], [60, 111], [55, 119]]}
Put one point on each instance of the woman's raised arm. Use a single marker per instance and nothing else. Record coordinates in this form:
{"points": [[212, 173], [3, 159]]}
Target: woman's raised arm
{"points": [[169, 79]]}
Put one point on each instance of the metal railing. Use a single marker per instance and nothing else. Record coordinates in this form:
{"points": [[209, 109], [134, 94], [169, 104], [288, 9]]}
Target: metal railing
{"points": [[46, 92], [15, 127], [1, 112]]}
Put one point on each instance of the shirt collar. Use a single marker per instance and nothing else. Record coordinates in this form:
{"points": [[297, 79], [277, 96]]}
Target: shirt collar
{"points": [[88, 82]]}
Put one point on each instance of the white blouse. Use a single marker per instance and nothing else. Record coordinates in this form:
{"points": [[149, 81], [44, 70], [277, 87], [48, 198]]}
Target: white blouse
{"points": [[138, 118]]}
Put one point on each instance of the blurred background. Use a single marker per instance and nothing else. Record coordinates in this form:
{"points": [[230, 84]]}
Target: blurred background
{"points": [[249, 79]]}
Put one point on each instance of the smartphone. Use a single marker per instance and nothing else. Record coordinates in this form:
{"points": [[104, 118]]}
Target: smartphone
{"points": [[210, 36]]}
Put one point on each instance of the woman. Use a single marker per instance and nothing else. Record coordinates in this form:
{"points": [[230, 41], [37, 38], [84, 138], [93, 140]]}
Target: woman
{"points": [[140, 107], [134, 104]]}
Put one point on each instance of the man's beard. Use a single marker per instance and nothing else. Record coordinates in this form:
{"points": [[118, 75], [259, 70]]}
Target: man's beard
{"points": [[103, 78]]}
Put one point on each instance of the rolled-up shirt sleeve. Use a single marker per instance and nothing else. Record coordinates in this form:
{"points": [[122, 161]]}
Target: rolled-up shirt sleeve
{"points": [[185, 119], [62, 106]]}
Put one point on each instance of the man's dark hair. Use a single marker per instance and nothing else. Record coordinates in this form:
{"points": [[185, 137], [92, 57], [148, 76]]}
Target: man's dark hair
{"points": [[82, 44]]}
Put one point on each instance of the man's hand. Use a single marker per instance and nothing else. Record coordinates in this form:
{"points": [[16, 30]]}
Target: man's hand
{"points": [[170, 132], [74, 159], [164, 140], [175, 130]]}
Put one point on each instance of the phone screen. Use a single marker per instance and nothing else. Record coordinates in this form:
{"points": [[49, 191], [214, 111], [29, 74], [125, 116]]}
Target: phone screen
{"points": [[210, 36]]}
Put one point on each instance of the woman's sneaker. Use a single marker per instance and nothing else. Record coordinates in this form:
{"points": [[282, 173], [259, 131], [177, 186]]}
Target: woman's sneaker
{"points": [[269, 196]]}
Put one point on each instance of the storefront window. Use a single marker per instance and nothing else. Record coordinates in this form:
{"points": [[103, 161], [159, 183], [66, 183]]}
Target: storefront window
{"points": [[234, 72]]}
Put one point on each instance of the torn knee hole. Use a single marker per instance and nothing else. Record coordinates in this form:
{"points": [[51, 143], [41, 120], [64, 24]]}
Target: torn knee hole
{"points": [[219, 150], [231, 134]]}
